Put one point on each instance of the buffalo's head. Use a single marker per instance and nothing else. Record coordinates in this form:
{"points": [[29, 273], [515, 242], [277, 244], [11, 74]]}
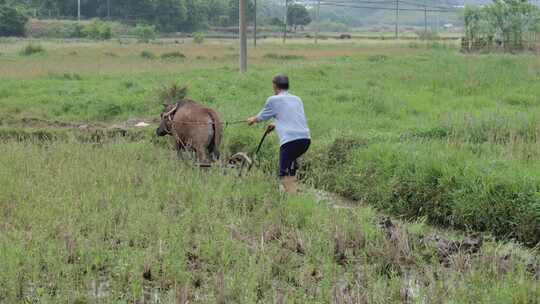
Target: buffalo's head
{"points": [[167, 115]]}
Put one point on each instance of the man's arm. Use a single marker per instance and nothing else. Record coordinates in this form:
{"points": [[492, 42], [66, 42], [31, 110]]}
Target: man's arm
{"points": [[266, 113]]}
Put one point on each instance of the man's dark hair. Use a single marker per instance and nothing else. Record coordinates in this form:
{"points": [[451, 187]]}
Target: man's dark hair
{"points": [[281, 82]]}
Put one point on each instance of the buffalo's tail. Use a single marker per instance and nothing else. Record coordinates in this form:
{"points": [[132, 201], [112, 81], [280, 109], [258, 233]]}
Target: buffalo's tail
{"points": [[217, 125]]}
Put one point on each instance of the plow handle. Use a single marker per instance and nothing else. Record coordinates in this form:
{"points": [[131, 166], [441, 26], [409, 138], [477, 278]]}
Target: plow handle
{"points": [[268, 131]]}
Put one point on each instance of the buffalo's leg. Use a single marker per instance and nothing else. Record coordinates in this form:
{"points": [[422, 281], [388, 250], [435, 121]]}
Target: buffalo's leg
{"points": [[202, 157], [215, 153], [180, 150]]}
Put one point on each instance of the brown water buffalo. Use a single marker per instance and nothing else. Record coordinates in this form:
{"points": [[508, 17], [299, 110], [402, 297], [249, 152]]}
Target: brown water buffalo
{"points": [[194, 127]]}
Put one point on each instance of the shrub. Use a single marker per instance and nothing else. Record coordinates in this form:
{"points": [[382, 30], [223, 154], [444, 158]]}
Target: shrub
{"points": [[172, 55], [75, 30], [32, 49], [223, 20], [427, 35], [334, 27], [66, 29], [276, 22], [12, 21], [145, 33], [55, 29], [198, 38], [98, 30], [377, 58], [148, 55]]}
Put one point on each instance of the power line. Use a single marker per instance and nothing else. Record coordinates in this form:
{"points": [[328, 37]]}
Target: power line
{"points": [[389, 5], [338, 4], [425, 5]]}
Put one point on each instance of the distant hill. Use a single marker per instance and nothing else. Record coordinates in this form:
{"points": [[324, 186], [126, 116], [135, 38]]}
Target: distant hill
{"points": [[381, 14]]}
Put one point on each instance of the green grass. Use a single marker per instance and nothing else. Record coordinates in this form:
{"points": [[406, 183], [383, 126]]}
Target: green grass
{"points": [[418, 131], [120, 221], [484, 105]]}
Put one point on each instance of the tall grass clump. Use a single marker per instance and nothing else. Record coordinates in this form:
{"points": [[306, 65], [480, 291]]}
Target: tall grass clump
{"points": [[32, 49], [449, 187]]}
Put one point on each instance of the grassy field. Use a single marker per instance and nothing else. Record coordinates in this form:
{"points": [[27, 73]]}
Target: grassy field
{"points": [[415, 130]]}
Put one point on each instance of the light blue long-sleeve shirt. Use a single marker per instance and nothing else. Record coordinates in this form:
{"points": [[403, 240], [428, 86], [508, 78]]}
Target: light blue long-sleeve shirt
{"points": [[287, 111]]}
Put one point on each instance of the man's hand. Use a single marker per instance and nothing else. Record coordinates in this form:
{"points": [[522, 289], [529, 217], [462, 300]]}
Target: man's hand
{"points": [[252, 120], [271, 127]]}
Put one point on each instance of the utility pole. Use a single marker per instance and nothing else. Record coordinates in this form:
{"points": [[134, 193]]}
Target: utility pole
{"points": [[79, 10], [425, 17], [243, 37], [318, 16], [109, 9], [397, 20], [438, 18], [285, 21], [255, 26]]}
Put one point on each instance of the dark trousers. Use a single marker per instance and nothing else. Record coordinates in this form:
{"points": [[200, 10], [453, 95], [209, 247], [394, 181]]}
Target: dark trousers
{"points": [[289, 154]]}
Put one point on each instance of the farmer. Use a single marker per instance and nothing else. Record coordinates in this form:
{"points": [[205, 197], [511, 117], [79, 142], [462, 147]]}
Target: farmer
{"points": [[287, 112]]}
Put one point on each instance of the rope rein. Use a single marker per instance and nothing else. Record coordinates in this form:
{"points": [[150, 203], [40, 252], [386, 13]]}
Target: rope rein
{"points": [[169, 116], [195, 123]]}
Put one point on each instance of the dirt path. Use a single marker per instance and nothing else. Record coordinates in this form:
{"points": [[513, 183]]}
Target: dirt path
{"points": [[31, 122], [334, 200]]}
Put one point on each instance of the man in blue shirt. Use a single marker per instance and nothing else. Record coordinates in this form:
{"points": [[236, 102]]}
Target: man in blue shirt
{"points": [[287, 112]]}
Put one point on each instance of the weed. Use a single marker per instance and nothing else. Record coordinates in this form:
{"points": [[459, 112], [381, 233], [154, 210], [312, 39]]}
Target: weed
{"points": [[378, 58], [173, 93], [110, 54]]}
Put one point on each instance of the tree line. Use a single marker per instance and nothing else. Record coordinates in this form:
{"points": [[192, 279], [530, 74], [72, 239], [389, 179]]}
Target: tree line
{"points": [[166, 15], [509, 24]]}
